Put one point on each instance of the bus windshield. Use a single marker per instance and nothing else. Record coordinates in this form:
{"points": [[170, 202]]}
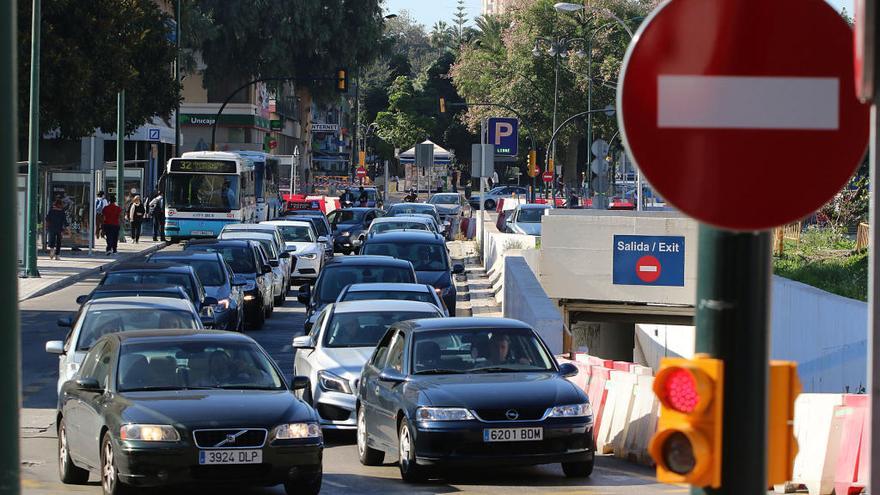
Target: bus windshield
{"points": [[192, 192]]}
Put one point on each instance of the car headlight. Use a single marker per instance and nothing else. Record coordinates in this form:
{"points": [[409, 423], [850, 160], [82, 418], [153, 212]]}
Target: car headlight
{"points": [[222, 305], [443, 414], [345, 234], [149, 433], [293, 431], [333, 383], [310, 256], [249, 297], [572, 411]]}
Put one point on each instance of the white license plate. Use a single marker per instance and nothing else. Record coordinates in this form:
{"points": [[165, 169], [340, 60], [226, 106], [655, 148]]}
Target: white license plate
{"points": [[230, 456], [513, 434], [202, 232]]}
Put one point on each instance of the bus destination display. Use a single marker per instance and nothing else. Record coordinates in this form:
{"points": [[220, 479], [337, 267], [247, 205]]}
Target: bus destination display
{"points": [[204, 166]]}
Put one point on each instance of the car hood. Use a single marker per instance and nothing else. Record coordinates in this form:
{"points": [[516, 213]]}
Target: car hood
{"points": [[217, 408], [218, 292], [346, 362], [526, 228], [302, 247], [448, 210], [342, 227], [498, 390], [438, 279]]}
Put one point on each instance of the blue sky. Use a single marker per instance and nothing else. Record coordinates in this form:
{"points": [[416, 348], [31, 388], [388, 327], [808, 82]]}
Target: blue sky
{"points": [[428, 12]]}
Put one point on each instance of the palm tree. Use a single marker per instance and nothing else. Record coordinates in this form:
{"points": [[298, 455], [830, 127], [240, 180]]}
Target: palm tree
{"points": [[490, 29], [442, 35]]}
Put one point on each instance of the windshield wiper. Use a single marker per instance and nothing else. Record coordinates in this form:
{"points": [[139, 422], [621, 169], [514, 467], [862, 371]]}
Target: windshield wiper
{"points": [[247, 387], [439, 372], [493, 369], [163, 388]]}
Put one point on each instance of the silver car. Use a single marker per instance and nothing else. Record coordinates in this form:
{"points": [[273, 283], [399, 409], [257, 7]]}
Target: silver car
{"points": [[340, 342], [99, 317], [279, 260], [526, 219]]}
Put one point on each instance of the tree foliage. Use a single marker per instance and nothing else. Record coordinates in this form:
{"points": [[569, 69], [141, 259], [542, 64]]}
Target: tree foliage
{"points": [[90, 50]]}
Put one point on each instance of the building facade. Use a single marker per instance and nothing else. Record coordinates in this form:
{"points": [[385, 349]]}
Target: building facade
{"points": [[495, 7]]}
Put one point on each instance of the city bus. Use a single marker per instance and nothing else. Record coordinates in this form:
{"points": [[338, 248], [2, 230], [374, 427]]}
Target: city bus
{"points": [[205, 190], [267, 176]]}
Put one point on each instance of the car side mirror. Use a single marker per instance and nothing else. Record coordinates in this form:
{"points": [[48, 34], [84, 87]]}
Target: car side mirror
{"points": [[82, 299], [457, 268], [208, 321], [210, 301], [300, 383], [267, 269], [323, 238], [568, 370], [274, 263], [303, 342], [391, 375], [305, 294], [284, 254], [89, 385], [55, 347], [65, 322]]}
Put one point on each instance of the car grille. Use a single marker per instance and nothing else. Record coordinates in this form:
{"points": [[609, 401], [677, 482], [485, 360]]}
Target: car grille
{"points": [[217, 439], [523, 414], [243, 472]]}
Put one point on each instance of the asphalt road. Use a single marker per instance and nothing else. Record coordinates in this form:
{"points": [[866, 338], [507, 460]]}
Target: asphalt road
{"points": [[343, 474]]}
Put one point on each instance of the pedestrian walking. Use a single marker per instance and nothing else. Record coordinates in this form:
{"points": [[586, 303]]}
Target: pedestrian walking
{"points": [[136, 214], [455, 179], [112, 217], [157, 211], [100, 203], [56, 223]]}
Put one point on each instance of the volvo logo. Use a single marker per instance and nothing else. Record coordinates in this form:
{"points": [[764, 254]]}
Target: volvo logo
{"points": [[230, 439], [512, 414]]}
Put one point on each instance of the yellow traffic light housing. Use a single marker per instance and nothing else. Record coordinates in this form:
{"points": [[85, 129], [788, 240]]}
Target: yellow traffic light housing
{"points": [[782, 446], [687, 445], [533, 163], [341, 80], [442, 105], [362, 158]]}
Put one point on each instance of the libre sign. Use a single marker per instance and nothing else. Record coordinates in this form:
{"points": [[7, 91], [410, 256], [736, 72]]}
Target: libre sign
{"points": [[723, 105], [649, 260], [504, 134]]}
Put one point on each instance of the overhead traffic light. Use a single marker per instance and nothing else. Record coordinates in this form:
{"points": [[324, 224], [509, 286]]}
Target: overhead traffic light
{"points": [[341, 80], [533, 163], [687, 445], [782, 446], [442, 105]]}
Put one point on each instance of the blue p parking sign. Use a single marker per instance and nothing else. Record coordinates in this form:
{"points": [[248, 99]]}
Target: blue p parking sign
{"points": [[504, 134], [649, 260]]}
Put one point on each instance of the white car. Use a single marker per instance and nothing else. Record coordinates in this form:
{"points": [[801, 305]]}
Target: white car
{"points": [[280, 261], [340, 342], [99, 317], [301, 240]]}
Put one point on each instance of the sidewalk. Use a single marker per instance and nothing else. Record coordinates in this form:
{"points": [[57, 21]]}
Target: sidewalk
{"points": [[75, 266], [476, 296]]}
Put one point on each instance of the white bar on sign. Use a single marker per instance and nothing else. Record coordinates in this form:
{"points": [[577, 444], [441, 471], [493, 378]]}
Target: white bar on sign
{"points": [[738, 102], [647, 268]]}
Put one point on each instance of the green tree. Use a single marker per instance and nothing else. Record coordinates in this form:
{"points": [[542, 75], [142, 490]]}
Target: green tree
{"points": [[460, 20], [89, 52], [402, 125], [442, 35]]}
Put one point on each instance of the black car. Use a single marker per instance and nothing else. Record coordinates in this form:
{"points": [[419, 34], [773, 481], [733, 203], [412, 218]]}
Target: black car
{"points": [[471, 392], [133, 290], [374, 198], [249, 264], [320, 223], [428, 255], [341, 272], [165, 274], [347, 225], [164, 407], [219, 282]]}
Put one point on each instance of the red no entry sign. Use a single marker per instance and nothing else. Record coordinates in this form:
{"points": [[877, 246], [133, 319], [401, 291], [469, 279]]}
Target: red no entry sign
{"points": [[548, 176], [361, 172], [739, 116], [648, 269]]}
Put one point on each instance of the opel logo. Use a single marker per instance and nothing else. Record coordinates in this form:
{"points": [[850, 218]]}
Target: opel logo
{"points": [[512, 414]]}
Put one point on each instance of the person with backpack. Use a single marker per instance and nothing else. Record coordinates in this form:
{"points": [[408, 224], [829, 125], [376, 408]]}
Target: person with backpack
{"points": [[100, 203], [157, 211], [136, 214], [56, 223]]}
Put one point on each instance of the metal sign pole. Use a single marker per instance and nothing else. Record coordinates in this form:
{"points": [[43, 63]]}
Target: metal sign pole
{"points": [[92, 213], [874, 305], [482, 194]]}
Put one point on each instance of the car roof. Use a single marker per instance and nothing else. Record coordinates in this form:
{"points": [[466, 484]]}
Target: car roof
{"points": [[301, 223], [365, 260], [141, 266], [383, 305], [246, 235], [406, 236], [405, 218], [221, 242], [388, 287], [184, 255], [141, 302], [425, 206], [249, 227], [464, 322], [138, 287], [139, 336]]}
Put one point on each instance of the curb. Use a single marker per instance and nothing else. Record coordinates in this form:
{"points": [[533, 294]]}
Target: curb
{"points": [[72, 279]]}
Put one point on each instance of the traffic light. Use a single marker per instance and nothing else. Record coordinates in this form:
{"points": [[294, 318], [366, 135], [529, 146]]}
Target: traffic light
{"points": [[442, 105], [687, 445], [533, 163], [781, 445], [341, 80], [362, 158]]}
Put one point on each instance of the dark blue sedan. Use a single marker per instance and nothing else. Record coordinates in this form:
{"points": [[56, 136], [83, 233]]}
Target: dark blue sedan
{"points": [[470, 392]]}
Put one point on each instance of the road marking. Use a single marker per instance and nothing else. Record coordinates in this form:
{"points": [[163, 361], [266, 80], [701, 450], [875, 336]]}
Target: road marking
{"points": [[742, 102]]}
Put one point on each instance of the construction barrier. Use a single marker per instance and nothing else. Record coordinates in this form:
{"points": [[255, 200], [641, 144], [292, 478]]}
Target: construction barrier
{"points": [[817, 430], [850, 475]]}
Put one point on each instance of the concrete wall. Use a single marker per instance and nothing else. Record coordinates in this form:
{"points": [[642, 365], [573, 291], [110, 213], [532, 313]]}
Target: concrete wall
{"points": [[654, 342], [525, 300]]}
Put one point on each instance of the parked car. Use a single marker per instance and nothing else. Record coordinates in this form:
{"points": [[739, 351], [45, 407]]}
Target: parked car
{"points": [[100, 317], [496, 193], [451, 207], [279, 261], [526, 219], [320, 223], [165, 408], [335, 350], [134, 273], [219, 282], [348, 224], [395, 292], [472, 392], [341, 272], [428, 255], [249, 263], [304, 245]]}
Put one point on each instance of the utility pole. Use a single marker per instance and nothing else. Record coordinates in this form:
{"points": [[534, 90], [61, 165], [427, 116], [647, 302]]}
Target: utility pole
{"points": [[30, 247], [120, 160], [10, 482], [555, 105], [177, 19]]}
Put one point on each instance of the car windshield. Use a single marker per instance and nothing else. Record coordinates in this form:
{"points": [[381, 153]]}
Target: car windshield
{"points": [[210, 272], [397, 295], [240, 259], [424, 257], [296, 233], [346, 216], [150, 277], [530, 215], [444, 199], [202, 192], [100, 322], [320, 226], [99, 294], [386, 226], [334, 279], [174, 365], [365, 329], [408, 209], [471, 350]]}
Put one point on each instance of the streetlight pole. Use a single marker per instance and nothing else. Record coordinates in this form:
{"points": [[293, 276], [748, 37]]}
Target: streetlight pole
{"points": [[30, 248], [120, 160], [557, 49], [177, 19]]}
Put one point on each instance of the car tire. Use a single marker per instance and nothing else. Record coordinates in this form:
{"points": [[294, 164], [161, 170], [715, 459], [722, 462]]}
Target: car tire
{"points": [[270, 309], [279, 301], [410, 472], [110, 482], [578, 469], [490, 204], [367, 455], [307, 483], [67, 470]]}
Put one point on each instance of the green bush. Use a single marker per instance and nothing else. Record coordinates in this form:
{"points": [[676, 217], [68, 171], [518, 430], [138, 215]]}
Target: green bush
{"points": [[825, 259]]}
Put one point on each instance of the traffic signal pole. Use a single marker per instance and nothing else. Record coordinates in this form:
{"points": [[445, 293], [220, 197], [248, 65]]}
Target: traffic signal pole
{"points": [[30, 247], [732, 321]]}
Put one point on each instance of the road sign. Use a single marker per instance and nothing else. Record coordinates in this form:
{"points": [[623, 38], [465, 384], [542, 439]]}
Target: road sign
{"points": [[649, 260], [273, 144], [548, 176], [600, 148], [504, 134], [276, 124], [745, 111], [424, 155], [153, 134], [482, 160], [361, 172]]}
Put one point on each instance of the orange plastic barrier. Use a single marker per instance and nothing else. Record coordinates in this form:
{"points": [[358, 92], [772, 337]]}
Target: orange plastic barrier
{"points": [[851, 459]]}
